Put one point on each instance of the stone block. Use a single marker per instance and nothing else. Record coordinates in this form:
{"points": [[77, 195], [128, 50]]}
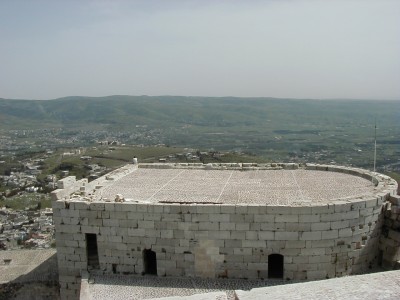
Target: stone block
{"points": [[312, 251], [136, 232], [109, 206], [354, 214], [140, 207], [287, 218], [238, 235], [345, 232], [340, 224], [316, 274], [121, 215], [320, 226], [90, 229], [227, 209], [241, 209], [79, 205], [208, 209], [125, 207], [315, 218], [322, 243], [318, 259], [286, 236], [323, 209], [310, 236], [135, 216], [219, 217], [256, 209], [253, 244], [307, 267], [330, 234], [220, 234], [264, 218], [302, 210], [295, 244], [111, 222], [93, 222], [128, 223], [266, 235], [209, 226], [87, 214], [242, 226], [298, 226], [331, 217], [273, 226], [290, 252], [276, 210], [69, 228], [242, 251], [96, 206], [72, 213], [342, 206], [226, 226], [372, 202], [146, 224]]}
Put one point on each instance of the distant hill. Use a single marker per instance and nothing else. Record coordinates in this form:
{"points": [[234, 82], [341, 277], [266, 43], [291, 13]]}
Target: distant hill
{"points": [[332, 131], [127, 111]]}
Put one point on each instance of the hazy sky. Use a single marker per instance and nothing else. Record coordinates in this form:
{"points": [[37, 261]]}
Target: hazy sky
{"points": [[286, 48]]}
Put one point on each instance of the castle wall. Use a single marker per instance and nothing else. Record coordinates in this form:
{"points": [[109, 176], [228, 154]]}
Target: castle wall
{"points": [[390, 238], [317, 242]]}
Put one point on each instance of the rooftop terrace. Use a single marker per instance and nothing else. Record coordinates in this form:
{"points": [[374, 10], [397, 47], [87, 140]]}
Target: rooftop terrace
{"points": [[254, 186]]}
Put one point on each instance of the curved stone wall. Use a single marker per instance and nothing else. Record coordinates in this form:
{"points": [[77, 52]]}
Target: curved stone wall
{"points": [[316, 241]]}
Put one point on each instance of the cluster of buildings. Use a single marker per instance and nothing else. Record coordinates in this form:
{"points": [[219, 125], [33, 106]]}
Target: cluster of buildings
{"points": [[26, 229]]}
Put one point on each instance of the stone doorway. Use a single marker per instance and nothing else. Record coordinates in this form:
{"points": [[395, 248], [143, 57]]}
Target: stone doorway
{"points": [[92, 251], [275, 266], [149, 262]]}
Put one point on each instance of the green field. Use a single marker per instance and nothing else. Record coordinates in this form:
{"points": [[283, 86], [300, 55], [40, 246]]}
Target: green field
{"points": [[299, 130]]}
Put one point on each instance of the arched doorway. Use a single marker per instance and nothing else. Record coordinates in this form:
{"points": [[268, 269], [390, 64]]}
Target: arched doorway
{"points": [[149, 262], [275, 266]]}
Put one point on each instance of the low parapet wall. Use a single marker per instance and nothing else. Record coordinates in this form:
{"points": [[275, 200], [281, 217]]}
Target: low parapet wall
{"points": [[66, 187]]}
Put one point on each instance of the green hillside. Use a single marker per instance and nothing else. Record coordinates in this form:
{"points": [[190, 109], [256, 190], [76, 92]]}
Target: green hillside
{"points": [[283, 129]]}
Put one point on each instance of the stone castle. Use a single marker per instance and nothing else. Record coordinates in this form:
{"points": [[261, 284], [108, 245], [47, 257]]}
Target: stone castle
{"points": [[254, 221]]}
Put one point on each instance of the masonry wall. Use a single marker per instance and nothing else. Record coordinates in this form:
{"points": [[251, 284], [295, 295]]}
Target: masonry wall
{"points": [[232, 241], [317, 242], [390, 238]]}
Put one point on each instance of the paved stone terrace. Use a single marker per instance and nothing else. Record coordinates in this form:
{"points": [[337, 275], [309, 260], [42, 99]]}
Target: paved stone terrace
{"points": [[382, 285], [17, 263], [109, 287], [271, 187]]}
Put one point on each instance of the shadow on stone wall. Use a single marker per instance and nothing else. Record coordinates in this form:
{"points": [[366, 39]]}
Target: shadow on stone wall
{"points": [[41, 283], [369, 259]]}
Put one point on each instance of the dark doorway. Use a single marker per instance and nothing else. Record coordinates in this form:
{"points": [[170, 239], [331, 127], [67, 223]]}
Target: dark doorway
{"points": [[149, 262], [91, 251], [275, 266], [380, 258]]}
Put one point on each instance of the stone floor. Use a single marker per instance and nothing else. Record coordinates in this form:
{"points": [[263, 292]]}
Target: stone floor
{"points": [[24, 264], [273, 187], [109, 287], [382, 285]]}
